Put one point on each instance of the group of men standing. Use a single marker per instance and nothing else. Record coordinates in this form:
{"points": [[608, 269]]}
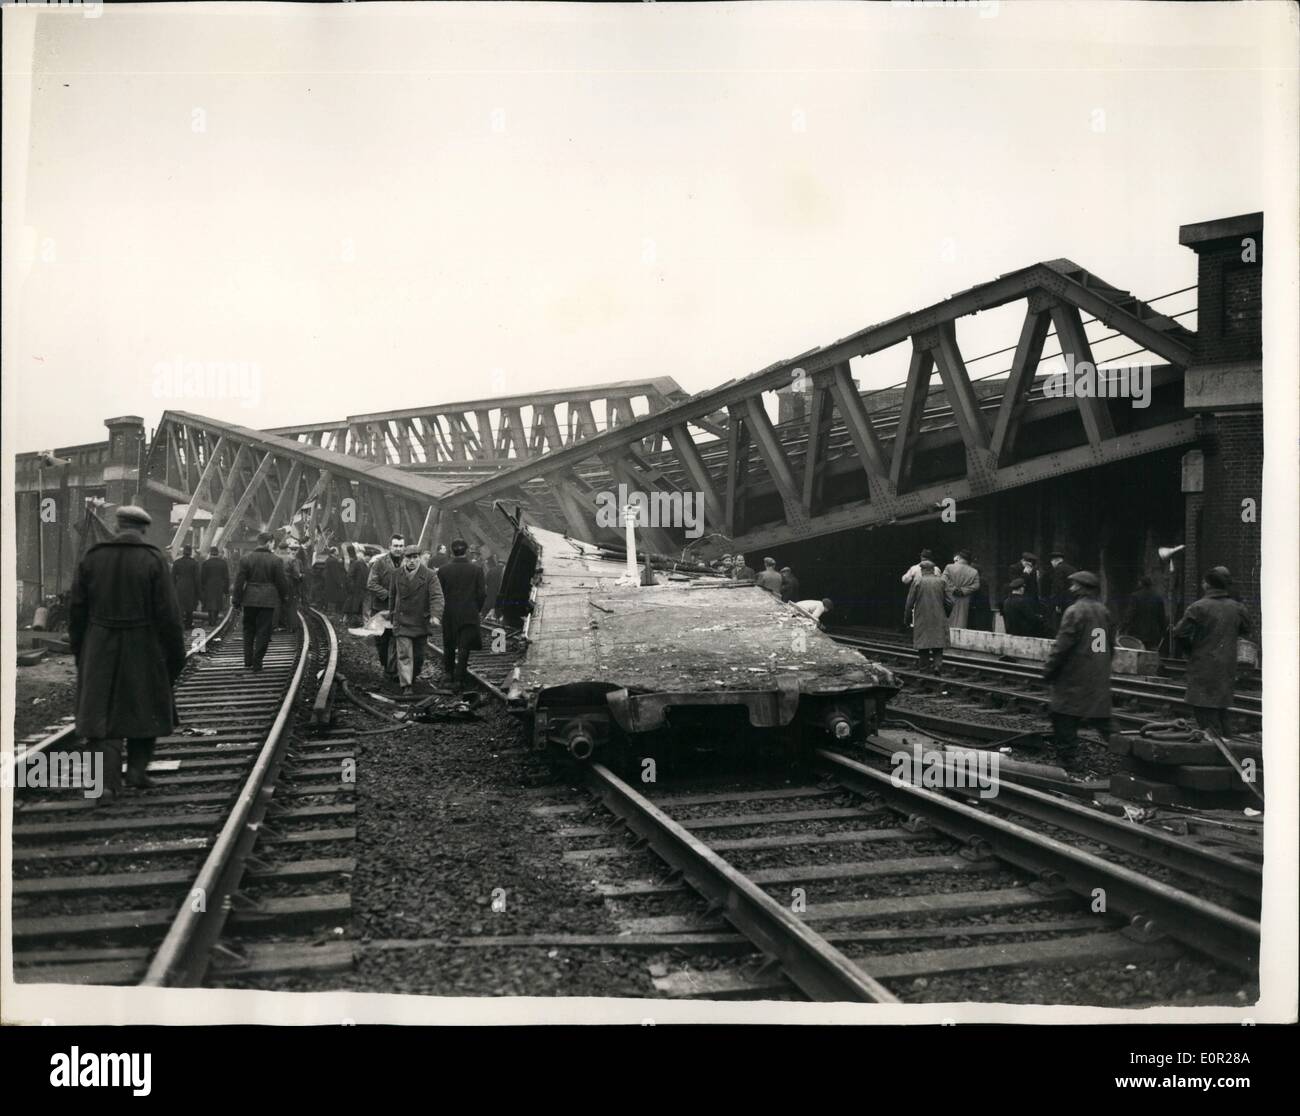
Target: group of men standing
{"points": [[937, 601], [450, 593], [781, 583], [1063, 603]]}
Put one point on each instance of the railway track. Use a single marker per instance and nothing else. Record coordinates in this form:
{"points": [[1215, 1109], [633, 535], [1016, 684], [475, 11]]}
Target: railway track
{"points": [[1172, 668], [992, 683], [234, 864], [894, 885], [851, 887]]}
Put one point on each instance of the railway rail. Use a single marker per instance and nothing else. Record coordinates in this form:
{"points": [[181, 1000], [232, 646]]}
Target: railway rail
{"points": [[1013, 878], [1042, 856], [237, 851], [1010, 685]]}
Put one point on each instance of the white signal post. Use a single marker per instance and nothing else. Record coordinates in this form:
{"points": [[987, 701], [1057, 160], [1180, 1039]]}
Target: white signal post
{"points": [[633, 575]]}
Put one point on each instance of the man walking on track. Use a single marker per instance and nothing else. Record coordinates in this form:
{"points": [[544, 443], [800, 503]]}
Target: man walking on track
{"points": [[261, 587], [124, 629], [185, 576], [464, 589], [382, 570], [215, 580], [417, 604], [1079, 667]]}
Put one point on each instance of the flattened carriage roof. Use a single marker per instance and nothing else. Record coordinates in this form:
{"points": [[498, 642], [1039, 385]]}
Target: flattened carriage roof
{"points": [[701, 634]]}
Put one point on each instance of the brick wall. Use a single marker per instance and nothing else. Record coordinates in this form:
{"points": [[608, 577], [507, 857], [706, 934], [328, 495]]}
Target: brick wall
{"points": [[1216, 533], [1229, 301]]}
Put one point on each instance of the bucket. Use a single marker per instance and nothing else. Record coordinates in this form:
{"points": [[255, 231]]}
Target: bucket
{"points": [[1247, 653], [40, 619]]}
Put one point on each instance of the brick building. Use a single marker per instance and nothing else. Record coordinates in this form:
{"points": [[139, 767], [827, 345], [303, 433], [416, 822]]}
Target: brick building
{"points": [[1223, 477]]}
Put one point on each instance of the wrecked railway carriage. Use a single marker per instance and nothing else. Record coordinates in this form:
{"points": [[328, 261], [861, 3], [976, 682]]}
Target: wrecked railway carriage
{"points": [[693, 659]]}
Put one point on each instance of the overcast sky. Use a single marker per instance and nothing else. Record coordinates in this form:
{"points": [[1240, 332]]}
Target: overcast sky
{"points": [[383, 206]]}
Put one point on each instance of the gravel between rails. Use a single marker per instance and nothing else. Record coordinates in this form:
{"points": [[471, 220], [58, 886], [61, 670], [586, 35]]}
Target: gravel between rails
{"points": [[444, 827], [43, 694]]}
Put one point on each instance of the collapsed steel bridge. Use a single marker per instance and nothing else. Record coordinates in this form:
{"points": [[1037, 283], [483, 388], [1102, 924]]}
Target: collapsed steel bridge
{"points": [[843, 459]]}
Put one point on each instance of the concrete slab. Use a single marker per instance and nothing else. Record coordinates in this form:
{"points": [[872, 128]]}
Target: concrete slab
{"points": [[1124, 661]]}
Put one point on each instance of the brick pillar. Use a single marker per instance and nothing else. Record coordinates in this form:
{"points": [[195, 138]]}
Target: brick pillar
{"points": [[1223, 528], [126, 449]]}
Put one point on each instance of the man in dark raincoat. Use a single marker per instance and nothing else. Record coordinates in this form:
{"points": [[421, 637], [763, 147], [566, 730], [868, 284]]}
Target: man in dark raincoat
{"points": [[215, 582], [1019, 615], [929, 600], [1146, 618], [358, 575], [262, 591], [185, 576], [1211, 628], [336, 580], [415, 606], [1058, 588], [1078, 667], [464, 590], [124, 629]]}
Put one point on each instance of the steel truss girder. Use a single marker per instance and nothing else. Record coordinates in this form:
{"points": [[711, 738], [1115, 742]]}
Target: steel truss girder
{"points": [[393, 435], [254, 468], [756, 461]]}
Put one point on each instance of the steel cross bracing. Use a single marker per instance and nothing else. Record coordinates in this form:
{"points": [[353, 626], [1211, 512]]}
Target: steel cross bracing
{"points": [[246, 481], [466, 440], [846, 462]]}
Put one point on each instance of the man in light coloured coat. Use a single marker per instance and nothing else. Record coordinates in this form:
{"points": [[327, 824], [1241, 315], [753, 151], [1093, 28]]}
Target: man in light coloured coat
{"points": [[926, 612], [963, 580]]}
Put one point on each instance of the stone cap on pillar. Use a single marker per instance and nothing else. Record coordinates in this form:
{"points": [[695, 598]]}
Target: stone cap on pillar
{"points": [[1206, 234]]}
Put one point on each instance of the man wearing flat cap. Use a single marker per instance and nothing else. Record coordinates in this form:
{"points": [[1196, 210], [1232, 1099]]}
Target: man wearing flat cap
{"points": [[1019, 615], [1027, 570], [261, 590], [124, 629], [1211, 628], [185, 576], [214, 579], [1058, 588], [1078, 667]]}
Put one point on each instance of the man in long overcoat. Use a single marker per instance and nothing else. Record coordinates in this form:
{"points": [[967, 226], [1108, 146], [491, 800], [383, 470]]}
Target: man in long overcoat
{"points": [[416, 604], [262, 591], [464, 590], [358, 575], [926, 611], [336, 580], [1211, 628], [185, 576], [1058, 588], [1078, 667], [214, 580], [124, 630], [1146, 618], [381, 570], [963, 580]]}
